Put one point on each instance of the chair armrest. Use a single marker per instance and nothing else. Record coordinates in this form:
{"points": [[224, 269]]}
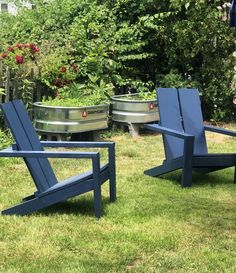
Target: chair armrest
{"points": [[219, 130], [74, 144], [168, 131], [46, 154], [56, 144]]}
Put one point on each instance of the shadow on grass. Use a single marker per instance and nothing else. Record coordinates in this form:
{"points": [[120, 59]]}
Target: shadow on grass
{"points": [[213, 179], [208, 205], [74, 206]]}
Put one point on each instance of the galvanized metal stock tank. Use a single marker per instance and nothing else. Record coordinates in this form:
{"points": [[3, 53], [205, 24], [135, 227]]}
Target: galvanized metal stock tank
{"points": [[64, 120], [133, 110]]}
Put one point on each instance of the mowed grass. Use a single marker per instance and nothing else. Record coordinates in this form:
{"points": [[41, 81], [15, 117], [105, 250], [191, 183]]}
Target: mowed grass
{"points": [[154, 226]]}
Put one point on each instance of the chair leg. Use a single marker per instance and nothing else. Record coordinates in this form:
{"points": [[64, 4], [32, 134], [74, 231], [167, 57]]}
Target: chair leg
{"points": [[186, 180], [97, 187], [97, 203], [235, 174], [112, 187], [112, 174]]}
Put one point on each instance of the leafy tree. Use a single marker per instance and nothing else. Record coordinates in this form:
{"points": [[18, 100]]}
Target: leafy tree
{"points": [[134, 45]]}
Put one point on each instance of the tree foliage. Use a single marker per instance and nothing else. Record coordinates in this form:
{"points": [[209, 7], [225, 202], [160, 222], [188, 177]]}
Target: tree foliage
{"points": [[134, 45]]}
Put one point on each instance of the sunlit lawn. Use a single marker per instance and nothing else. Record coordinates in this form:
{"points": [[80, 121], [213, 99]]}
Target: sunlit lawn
{"points": [[154, 226]]}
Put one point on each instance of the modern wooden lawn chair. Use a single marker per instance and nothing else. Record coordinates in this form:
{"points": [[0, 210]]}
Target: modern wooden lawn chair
{"points": [[49, 190], [183, 130]]}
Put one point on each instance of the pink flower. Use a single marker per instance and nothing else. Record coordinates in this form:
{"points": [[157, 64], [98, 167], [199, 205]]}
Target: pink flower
{"points": [[4, 55], [19, 59], [10, 49], [19, 46], [34, 48]]}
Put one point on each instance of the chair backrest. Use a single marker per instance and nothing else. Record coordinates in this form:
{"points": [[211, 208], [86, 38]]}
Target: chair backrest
{"points": [[170, 117], [26, 139], [181, 110], [191, 112]]}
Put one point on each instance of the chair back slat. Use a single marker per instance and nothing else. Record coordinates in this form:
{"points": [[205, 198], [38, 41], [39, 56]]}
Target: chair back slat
{"points": [[26, 139], [191, 112], [170, 117]]}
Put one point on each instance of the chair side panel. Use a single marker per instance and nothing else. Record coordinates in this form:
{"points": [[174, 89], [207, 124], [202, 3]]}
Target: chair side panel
{"points": [[34, 141], [192, 118], [23, 141], [169, 110]]}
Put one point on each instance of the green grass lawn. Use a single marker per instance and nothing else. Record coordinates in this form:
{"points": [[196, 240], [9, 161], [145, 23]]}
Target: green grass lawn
{"points": [[154, 226]]}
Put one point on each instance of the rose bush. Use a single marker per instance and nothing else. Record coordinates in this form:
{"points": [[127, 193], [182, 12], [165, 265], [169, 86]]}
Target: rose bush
{"points": [[18, 61], [20, 54]]}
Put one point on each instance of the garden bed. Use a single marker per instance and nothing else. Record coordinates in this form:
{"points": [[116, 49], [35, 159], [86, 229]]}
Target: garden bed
{"points": [[134, 109], [67, 120]]}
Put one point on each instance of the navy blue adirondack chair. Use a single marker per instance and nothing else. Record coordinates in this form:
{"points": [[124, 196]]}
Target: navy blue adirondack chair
{"points": [[49, 190], [183, 130], [232, 14]]}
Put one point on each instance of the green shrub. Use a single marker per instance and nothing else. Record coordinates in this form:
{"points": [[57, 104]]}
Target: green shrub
{"points": [[133, 45], [94, 93], [5, 139]]}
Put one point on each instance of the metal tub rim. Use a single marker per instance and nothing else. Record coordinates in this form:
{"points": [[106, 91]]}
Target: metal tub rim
{"points": [[38, 103], [121, 98]]}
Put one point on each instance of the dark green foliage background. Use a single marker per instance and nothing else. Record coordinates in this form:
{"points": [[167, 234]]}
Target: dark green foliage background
{"points": [[135, 45]]}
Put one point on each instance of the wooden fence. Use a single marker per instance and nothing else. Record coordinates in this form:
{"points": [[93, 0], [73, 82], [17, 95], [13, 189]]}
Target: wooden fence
{"points": [[27, 88]]}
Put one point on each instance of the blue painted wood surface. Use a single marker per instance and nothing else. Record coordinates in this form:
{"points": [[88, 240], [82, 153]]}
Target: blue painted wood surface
{"points": [[192, 118], [170, 117], [181, 118], [214, 129], [50, 191], [232, 14]]}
